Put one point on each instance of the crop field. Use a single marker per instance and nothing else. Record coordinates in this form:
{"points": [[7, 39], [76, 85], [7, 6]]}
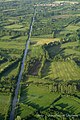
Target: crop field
{"points": [[72, 28], [67, 70], [33, 98], [70, 44], [37, 96], [12, 45], [4, 105], [42, 41], [14, 26], [71, 105]]}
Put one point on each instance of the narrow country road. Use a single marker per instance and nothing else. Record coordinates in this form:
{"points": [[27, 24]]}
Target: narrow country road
{"points": [[15, 99]]}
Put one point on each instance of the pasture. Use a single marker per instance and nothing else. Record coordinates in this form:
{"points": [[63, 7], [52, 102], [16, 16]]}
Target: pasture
{"points": [[32, 98], [65, 71], [14, 26], [72, 28], [12, 45], [37, 94], [4, 105], [17, 27], [68, 104]]}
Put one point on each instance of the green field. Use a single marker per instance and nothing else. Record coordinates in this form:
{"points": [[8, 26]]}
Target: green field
{"points": [[67, 70], [72, 28], [69, 104], [4, 105], [12, 45], [16, 27], [33, 97]]}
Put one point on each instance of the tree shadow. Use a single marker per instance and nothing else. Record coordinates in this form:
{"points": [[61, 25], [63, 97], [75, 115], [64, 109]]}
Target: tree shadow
{"points": [[1, 117], [53, 49], [46, 69], [62, 105], [23, 95]]}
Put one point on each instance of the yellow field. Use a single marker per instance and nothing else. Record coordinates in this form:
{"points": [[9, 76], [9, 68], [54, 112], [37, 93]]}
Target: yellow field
{"points": [[42, 41]]}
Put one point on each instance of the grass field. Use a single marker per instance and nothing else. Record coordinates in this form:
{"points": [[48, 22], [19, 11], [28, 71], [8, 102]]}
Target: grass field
{"points": [[36, 79], [21, 39], [17, 27], [13, 47], [14, 26], [4, 105], [44, 36], [70, 44], [69, 104], [12, 44], [25, 110], [71, 49], [36, 51], [6, 38], [33, 97], [62, 70], [38, 94], [72, 28]]}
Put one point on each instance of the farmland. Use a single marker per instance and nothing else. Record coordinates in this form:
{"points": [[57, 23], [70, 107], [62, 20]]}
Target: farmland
{"points": [[50, 83], [62, 70], [13, 37], [4, 105], [52, 67]]}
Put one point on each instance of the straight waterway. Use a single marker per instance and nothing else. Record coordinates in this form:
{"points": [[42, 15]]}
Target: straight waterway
{"points": [[15, 99]]}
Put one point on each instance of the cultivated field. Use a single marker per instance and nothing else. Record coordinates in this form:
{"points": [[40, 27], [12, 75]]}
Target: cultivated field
{"points": [[4, 105], [67, 70]]}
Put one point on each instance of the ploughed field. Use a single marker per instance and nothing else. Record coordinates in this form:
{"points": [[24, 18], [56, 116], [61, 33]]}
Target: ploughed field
{"points": [[50, 85]]}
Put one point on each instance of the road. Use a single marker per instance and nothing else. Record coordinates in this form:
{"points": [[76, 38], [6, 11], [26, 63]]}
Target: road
{"points": [[15, 99]]}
